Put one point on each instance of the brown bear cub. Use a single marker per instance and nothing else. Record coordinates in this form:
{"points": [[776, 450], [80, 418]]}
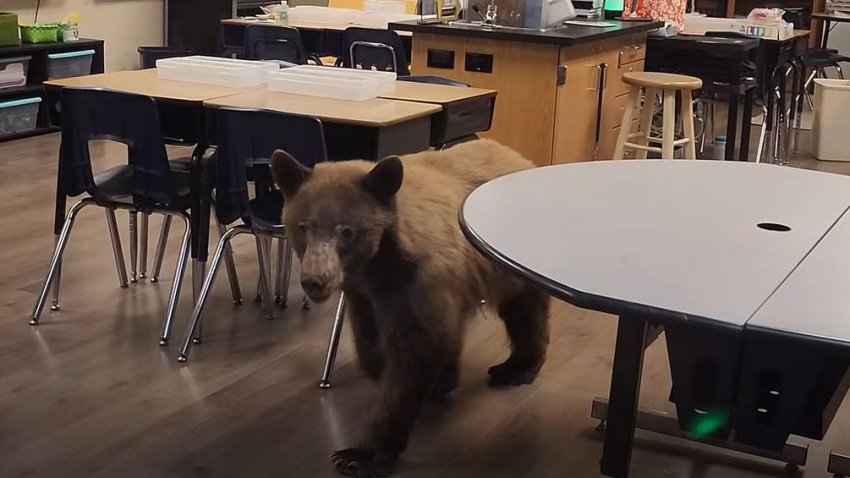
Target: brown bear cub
{"points": [[387, 235]]}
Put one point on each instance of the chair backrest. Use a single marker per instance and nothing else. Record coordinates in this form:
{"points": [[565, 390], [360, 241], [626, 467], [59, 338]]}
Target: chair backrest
{"points": [[133, 120], [247, 139], [374, 49], [271, 42], [762, 77]]}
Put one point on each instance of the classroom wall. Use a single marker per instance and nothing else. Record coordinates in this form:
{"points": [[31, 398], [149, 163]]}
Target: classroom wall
{"points": [[123, 24]]}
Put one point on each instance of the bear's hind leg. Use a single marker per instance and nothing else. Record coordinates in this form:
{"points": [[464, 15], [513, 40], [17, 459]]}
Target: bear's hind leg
{"points": [[526, 318], [366, 339]]}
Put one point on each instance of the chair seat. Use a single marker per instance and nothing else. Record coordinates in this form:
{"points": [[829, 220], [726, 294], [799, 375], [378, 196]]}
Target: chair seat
{"points": [[651, 79], [824, 60], [116, 185], [266, 211]]}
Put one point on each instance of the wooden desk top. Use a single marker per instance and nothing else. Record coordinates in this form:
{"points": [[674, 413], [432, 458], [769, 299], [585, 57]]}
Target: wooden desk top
{"points": [[659, 238], [436, 94], [375, 113], [831, 17], [145, 82], [305, 25]]}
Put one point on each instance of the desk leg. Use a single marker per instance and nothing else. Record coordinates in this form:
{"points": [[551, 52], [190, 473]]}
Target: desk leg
{"points": [[732, 128], [825, 38], [632, 335], [746, 125]]}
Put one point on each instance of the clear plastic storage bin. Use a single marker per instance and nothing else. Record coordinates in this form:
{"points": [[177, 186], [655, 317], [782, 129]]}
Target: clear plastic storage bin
{"points": [[13, 71], [829, 129], [18, 116], [336, 83], [69, 64], [215, 71]]}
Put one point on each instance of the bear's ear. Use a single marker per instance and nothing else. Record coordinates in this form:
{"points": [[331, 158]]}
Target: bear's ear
{"points": [[384, 180], [288, 173]]}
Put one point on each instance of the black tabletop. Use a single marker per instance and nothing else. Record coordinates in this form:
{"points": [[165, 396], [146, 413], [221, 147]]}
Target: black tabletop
{"points": [[566, 35]]}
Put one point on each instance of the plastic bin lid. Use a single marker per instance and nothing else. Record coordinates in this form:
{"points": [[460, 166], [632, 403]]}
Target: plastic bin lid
{"points": [[833, 84], [70, 54], [15, 59], [21, 102]]}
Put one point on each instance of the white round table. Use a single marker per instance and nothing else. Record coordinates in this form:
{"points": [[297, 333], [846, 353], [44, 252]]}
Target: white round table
{"points": [[679, 244]]}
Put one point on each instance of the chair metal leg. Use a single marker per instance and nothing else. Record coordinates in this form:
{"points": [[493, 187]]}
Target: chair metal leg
{"points": [[287, 270], [53, 268], [196, 319], [160, 248], [333, 344], [279, 298], [198, 274], [143, 245], [168, 321], [117, 251], [134, 244], [840, 71], [762, 135], [806, 85], [54, 305], [230, 265], [263, 247]]}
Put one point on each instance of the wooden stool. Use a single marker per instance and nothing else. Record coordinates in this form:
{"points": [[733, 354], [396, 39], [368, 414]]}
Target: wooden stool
{"points": [[651, 83]]}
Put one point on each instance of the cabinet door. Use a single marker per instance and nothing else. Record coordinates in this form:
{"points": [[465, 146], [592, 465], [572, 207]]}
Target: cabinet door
{"points": [[577, 115]]}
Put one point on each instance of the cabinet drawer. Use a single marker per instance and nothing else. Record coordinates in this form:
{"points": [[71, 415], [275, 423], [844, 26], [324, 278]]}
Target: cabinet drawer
{"points": [[616, 85], [632, 53]]}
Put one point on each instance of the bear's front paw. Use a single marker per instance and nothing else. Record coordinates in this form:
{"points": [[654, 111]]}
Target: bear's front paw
{"points": [[512, 374], [361, 463]]}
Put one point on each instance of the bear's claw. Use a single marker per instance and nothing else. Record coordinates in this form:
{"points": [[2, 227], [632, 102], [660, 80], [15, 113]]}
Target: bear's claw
{"points": [[508, 373], [360, 463]]}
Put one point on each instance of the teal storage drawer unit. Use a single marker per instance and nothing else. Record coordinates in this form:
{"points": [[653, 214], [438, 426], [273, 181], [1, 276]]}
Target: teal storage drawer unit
{"points": [[18, 116], [69, 64]]}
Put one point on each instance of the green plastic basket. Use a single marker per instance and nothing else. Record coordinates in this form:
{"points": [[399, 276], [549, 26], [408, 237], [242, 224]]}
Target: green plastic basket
{"points": [[41, 33], [8, 29]]}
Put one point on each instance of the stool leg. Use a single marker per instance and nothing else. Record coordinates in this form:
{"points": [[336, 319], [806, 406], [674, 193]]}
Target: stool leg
{"points": [[645, 127], [631, 104], [668, 134], [688, 125]]}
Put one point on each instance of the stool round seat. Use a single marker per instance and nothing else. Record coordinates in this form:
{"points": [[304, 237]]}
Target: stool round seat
{"points": [[651, 79]]}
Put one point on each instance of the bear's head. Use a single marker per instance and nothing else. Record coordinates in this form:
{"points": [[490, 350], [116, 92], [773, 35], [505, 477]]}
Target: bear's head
{"points": [[336, 215]]}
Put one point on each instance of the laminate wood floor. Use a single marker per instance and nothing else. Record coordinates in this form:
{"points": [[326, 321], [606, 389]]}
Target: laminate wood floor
{"points": [[89, 393]]}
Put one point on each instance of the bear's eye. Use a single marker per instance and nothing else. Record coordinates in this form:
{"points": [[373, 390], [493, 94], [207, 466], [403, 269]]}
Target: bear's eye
{"points": [[302, 227], [346, 233]]}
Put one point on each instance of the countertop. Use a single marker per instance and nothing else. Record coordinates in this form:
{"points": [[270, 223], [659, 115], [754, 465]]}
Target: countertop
{"points": [[566, 35]]}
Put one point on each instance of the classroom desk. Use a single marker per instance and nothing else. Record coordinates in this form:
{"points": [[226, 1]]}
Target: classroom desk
{"points": [[828, 18], [322, 38], [465, 111], [662, 246], [370, 129]]}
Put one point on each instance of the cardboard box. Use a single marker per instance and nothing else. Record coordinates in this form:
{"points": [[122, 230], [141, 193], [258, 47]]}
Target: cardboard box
{"points": [[9, 29]]}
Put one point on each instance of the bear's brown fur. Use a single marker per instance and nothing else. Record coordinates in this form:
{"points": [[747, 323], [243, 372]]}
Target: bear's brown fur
{"points": [[387, 234]]}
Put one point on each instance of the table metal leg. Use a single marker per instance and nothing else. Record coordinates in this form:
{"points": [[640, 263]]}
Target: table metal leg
{"points": [[731, 128], [632, 334], [746, 125]]}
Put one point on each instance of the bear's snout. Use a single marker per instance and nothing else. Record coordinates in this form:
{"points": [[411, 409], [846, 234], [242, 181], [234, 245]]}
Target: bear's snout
{"points": [[315, 288]]}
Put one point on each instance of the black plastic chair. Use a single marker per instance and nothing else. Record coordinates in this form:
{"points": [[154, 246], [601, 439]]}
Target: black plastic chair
{"points": [[374, 49], [148, 55], [246, 141], [268, 42], [147, 183]]}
